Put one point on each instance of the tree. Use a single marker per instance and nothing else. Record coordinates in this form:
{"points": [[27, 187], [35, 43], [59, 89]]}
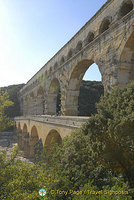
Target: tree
{"points": [[20, 180], [90, 93], [5, 121], [111, 132], [12, 91]]}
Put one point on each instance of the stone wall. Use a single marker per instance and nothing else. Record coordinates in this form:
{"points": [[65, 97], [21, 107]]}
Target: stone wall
{"points": [[106, 39]]}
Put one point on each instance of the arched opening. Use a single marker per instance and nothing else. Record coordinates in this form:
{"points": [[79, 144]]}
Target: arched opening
{"points": [[24, 133], [70, 54], [40, 101], [79, 46], [90, 37], [54, 98], [126, 8], [62, 60], [82, 95], [52, 139], [34, 138], [104, 25], [19, 127], [126, 69]]}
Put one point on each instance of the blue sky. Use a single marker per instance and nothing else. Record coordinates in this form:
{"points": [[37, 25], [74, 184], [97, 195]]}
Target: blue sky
{"points": [[32, 31]]}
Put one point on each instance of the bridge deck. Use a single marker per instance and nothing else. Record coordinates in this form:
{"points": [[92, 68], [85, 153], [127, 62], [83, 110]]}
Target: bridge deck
{"points": [[69, 121]]}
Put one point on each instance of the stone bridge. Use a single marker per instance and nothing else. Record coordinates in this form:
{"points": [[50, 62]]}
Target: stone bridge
{"points": [[107, 39], [44, 130]]}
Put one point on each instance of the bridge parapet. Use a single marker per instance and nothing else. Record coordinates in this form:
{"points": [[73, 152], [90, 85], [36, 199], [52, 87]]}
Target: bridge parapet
{"points": [[67, 121]]}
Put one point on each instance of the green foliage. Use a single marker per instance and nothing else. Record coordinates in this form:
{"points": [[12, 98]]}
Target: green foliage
{"points": [[90, 93], [5, 121], [21, 180], [71, 165], [112, 132], [120, 191], [13, 90], [97, 157]]}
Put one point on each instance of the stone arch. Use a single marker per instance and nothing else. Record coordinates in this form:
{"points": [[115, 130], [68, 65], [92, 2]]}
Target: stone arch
{"points": [[70, 54], [62, 60], [53, 94], [24, 133], [72, 93], [34, 138], [52, 138], [105, 24], [126, 7], [40, 101], [79, 46], [126, 69], [90, 38]]}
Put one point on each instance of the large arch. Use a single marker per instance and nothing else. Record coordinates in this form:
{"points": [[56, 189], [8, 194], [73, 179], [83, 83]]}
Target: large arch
{"points": [[53, 95], [71, 102], [52, 138], [40, 101], [126, 69], [34, 138]]}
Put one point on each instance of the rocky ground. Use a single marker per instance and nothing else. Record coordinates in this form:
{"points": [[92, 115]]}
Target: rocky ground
{"points": [[7, 142]]}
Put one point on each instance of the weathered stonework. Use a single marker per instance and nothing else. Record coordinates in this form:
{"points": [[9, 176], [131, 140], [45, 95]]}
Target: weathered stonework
{"points": [[107, 39], [32, 129]]}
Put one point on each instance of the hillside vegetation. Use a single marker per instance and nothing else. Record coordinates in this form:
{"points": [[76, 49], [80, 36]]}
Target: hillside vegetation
{"points": [[95, 162], [90, 93], [12, 91]]}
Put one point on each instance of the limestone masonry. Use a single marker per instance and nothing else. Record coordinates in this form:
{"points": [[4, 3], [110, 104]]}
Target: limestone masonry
{"points": [[107, 39]]}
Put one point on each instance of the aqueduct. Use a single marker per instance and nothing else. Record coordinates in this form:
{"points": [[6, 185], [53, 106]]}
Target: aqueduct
{"points": [[107, 39]]}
